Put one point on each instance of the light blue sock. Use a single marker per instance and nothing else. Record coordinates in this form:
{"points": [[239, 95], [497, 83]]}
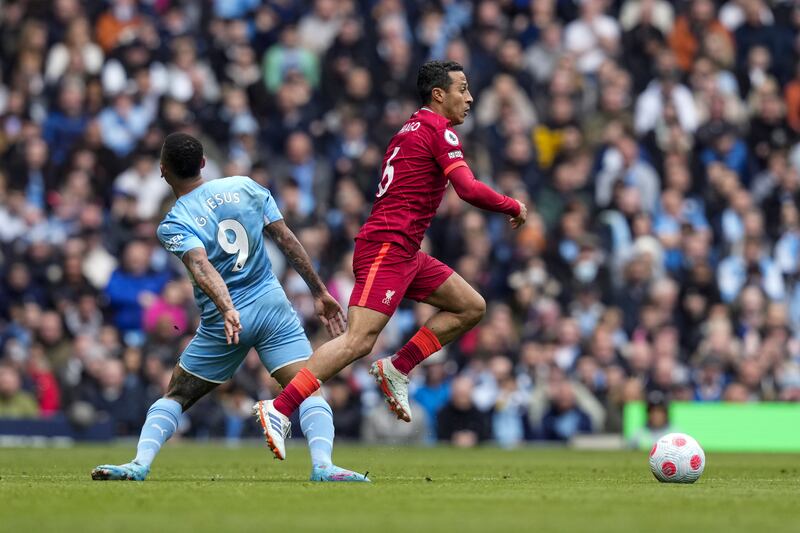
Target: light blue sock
{"points": [[316, 421], [162, 421]]}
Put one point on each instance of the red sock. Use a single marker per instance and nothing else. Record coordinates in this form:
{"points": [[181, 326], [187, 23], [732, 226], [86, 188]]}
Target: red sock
{"points": [[303, 385], [421, 345]]}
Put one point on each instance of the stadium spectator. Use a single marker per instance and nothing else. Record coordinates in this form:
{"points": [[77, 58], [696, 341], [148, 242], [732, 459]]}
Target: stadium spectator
{"points": [[508, 416], [119, 397], [657, 424], [691, 28], [76, 48], [45, 382], [663, 89], [133, 287], [592, 37], [65, 126], [381, 427], [53, 339], [434, 393], [319, 28], [189, 78], [459, 422], [124, 123], [144, 183], [346, 406], [564, 419], [289, 56], [14, 402], [625, 164], [167, 312], [313, 178]]}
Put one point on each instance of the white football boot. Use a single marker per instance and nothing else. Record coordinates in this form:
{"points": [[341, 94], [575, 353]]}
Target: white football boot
{"points": [[394, 386], [276, 427]]}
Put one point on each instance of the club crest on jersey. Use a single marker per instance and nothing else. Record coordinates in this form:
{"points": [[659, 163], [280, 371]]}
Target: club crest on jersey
{"points": [[388, 299], [451, 138]]}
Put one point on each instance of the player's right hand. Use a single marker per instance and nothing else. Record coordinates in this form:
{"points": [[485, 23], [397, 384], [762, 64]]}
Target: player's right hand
{"points": [[232, 326], [330, 313], [520, 219]]}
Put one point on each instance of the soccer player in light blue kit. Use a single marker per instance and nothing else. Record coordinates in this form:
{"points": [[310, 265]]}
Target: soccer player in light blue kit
{"points": [[216, 228]]}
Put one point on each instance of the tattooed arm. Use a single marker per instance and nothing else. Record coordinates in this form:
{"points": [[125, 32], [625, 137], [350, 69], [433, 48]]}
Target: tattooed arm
{"points": [[285, 239], [328, 309], [210, 282]]}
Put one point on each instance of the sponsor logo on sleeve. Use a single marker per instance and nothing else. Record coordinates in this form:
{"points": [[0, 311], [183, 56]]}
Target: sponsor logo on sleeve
{"points": [[455, 154], [173, 243], [451, 137]]}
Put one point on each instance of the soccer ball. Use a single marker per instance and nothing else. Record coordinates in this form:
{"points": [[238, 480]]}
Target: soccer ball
{"points": [[677, 458]]}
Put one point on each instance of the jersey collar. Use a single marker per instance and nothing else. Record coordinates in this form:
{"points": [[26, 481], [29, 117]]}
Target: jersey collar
{"points": [[429, 110]]}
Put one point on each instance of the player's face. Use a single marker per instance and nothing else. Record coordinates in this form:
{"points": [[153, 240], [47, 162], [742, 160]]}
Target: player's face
{"points": [[457, 100]]}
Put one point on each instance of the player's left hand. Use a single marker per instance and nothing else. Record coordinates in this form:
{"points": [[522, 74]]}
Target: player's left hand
{"points": [[520, 219], [232, 326], [330, 313]]}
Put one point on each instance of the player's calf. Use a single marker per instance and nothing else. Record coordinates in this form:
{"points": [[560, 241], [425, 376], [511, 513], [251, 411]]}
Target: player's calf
{"points": [[364, 326], [460, 309], [352, 346]]}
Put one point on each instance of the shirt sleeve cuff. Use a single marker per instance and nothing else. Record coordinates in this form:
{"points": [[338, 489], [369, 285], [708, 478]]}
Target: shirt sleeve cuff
{"points": [[452, 166]]}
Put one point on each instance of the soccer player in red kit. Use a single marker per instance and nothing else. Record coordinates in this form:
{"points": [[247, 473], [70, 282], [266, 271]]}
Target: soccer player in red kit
{"points": [[422, 157]]}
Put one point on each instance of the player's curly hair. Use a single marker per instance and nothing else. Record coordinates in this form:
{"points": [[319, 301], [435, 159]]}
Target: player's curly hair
{"points": [[435, 74], [182, 154]]}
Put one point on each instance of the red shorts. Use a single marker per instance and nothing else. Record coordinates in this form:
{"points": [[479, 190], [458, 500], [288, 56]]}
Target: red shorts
{"points": [[385, 274]]}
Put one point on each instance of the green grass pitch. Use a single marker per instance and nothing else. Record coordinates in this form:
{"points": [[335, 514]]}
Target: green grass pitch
{"points": [[198, 488]]}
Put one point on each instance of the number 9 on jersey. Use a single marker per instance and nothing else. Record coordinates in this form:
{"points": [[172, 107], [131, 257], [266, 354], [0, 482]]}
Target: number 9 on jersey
{"points": [[240, 244]]}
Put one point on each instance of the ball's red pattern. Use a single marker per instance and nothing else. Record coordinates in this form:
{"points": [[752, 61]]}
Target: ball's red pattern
{"points": [[669, 469], [679, 441], [695, 462]]}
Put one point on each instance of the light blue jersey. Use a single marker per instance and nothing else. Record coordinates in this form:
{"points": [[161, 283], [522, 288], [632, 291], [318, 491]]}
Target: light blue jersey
{"points": [[226, 217]]}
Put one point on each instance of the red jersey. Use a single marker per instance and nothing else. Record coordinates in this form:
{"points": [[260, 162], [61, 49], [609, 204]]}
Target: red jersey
{"points": [[415, 169]]}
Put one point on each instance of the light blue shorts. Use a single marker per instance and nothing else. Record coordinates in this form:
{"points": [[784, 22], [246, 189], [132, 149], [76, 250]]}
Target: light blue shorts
{"points": [[269, 324]]}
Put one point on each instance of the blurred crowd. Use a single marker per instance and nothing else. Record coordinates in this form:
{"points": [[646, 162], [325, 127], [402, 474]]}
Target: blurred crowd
{"points": [[655, 141]]}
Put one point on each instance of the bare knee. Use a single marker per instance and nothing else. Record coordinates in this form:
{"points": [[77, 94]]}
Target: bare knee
{"points": [[359, 346], [474, 311]]}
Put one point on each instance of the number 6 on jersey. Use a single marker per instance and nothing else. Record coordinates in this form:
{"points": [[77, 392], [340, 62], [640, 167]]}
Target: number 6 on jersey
{"points": [[388, 174], [240, 244]]}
